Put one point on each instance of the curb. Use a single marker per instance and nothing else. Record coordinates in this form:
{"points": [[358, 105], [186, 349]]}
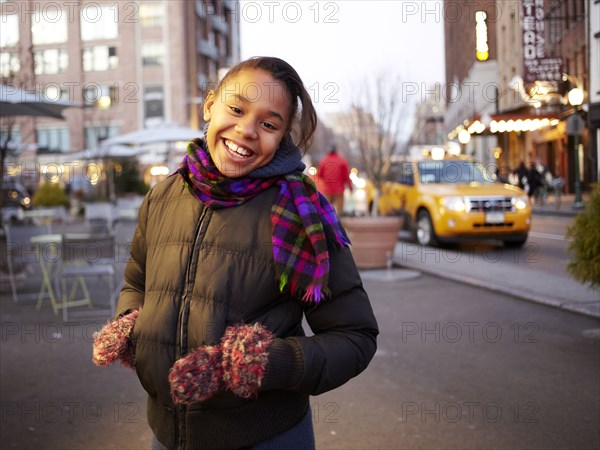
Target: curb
{"points": [[557, 213], [395, 274], [559, 303]]}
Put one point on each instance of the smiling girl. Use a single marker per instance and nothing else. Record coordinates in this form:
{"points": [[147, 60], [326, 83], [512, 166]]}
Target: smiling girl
{"points": [[230, 253]]}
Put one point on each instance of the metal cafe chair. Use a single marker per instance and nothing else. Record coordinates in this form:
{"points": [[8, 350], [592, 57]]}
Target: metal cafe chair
{"points": [[86, 256], [48, 250]]}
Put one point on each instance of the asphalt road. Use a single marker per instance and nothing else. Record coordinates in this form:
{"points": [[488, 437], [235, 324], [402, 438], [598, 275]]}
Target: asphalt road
{"points": [[460, 367], [545, 249]]}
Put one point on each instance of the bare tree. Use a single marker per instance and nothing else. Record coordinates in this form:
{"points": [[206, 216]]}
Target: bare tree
{"points": [[21, 78], [375, 124]]}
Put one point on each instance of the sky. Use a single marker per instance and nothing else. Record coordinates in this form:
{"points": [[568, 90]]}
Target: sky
{"points": [[335, 44]]}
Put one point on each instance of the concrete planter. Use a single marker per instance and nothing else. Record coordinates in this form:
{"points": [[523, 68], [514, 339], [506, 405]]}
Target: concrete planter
{"points": [[373, 239]]}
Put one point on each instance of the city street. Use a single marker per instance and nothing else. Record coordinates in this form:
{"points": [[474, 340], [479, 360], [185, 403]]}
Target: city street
{"points": [[546, 248], [535, 272], [465, 119], [457, 367]]}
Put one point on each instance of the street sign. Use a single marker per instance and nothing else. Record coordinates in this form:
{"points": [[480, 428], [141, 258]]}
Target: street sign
{"points": [[575, 125]]}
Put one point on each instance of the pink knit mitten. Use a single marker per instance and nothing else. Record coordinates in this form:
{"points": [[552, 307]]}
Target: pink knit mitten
{"points": [[113, 341], [245, 357], [197, 376]]}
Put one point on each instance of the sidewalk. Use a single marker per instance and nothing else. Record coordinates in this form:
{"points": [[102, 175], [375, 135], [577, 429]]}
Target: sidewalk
{"points": [[527, 283], [564, 209]]}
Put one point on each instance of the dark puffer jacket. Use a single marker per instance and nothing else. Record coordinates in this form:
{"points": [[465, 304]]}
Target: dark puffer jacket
{"points": [[196, 271]]}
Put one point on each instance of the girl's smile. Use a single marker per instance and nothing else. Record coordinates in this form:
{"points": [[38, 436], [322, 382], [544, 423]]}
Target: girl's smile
{"points": [[249, 116]]}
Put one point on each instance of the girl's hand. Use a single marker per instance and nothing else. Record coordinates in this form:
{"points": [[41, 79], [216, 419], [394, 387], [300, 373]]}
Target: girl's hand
{"points": [[197, 376], [237, 364], [113, 341], [245, 358]]}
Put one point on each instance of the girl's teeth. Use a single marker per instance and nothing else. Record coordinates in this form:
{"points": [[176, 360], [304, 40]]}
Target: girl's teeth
{"points": [[237, 149]]}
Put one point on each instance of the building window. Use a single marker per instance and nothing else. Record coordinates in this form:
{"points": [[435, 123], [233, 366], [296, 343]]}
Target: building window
{"points": [[580, 10], [54, 92], [10, 30], [563, 11], [14, 143], [53, 139], [49, 26], [212, 70], [94, 135], [99, 58], [51, 61], [153, 106], [9, 64], [103, 96], [153, 53], [152, 14], [99, 22]]}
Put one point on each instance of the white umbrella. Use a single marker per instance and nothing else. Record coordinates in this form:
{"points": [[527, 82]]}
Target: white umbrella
{"points": [[18, 102], [166, 133], [113, 151]]}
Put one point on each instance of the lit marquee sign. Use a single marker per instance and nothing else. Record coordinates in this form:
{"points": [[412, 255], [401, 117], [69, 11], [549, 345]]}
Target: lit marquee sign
{"points": [[536, 66], [482, 51]]}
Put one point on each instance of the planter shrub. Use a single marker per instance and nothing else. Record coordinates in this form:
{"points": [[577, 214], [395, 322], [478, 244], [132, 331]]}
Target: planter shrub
{"points": [[50, 194], [584, 265]]}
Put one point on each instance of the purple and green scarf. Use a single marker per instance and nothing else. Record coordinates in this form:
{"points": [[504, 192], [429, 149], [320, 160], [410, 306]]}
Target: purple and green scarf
{"points": [[298, 216]]}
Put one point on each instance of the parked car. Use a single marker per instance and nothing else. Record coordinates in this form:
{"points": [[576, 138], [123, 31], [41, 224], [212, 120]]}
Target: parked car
{"points": [[16, 200], [448, 199]]}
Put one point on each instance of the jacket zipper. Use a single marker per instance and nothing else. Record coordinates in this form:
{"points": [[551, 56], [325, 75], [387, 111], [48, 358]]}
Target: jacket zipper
{"points": [[183, 317]]}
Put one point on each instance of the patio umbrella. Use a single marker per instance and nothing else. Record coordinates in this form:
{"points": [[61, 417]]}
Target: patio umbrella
{"points": [[18, 102], [113, 151], [166, 133]]}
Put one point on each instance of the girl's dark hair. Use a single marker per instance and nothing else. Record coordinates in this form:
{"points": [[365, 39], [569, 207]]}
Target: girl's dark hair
{"points": [[306, 117]]}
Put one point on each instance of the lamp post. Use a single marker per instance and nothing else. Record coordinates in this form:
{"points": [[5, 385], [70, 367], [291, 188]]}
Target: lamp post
{"points": [[575, 126], [104, 103]]}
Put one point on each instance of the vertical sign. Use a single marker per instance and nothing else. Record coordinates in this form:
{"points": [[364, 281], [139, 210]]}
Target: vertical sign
{"points": [[536, 66], [481, 37]]}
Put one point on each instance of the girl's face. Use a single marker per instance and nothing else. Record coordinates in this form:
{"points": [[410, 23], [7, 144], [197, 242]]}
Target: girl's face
{"points": [[249, 116]]}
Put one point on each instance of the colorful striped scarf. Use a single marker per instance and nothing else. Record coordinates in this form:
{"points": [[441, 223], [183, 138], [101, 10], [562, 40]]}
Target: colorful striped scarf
{"points": [[298, 218]]}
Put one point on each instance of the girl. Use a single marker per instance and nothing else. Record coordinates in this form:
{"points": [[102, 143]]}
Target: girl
{"points": [[229, 253]]}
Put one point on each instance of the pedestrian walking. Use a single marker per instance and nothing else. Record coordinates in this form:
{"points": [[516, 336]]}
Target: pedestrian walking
{"points": [[521, 175], [334, 175], [535, 180], [230, 252]]}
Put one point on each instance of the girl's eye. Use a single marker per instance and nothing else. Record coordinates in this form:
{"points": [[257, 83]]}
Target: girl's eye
{"points": [[269, 125], [235, 109]]}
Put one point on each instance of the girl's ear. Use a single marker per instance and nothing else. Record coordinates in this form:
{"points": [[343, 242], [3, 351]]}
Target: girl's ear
{"points": [[208, 103]]}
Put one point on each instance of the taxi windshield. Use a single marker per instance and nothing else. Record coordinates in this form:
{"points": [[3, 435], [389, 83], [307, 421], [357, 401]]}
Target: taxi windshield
{"points": [[453, 172]]}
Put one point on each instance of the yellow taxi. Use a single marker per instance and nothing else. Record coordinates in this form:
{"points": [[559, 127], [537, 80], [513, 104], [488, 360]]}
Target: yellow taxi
{"points": [[448, 199]]}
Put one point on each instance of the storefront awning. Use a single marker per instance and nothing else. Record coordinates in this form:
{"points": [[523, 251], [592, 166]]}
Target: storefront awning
{"points": [[528, 120]]}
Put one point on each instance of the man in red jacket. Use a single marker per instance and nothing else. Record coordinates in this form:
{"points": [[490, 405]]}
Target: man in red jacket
{"points": [[333, 175]]}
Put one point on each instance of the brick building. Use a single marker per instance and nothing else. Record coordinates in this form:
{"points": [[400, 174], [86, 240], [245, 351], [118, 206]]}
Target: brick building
{"points": [[132, 64]]}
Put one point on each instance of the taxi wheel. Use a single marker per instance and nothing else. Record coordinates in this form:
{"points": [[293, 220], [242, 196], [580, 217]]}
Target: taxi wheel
{"points": [[424, 232]]}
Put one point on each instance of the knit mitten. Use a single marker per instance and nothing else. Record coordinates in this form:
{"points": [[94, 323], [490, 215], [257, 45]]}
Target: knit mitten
{"points": [[245, 358], [113, 341], [197, 376]]}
